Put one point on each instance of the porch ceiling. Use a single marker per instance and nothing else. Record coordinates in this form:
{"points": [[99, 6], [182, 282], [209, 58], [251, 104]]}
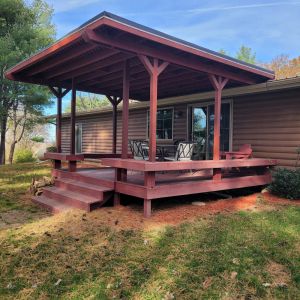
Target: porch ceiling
{"points": [[94, 53]]}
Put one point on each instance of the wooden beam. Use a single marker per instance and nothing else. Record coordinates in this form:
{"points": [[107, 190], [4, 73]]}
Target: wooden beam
{"points": [[218, 84], [59, 60], [154, 71], [73, 117], [193, 63], [58, 121], [59, 93], [125, 110], [114, 100], [87, 60], [115, 58]]}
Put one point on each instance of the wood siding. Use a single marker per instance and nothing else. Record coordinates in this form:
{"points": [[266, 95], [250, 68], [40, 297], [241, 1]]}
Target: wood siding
{"points": [[270, 122], [97, 129]]}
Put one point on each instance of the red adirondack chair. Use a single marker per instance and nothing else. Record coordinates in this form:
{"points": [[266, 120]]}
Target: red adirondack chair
{"points": [[245, 151]]}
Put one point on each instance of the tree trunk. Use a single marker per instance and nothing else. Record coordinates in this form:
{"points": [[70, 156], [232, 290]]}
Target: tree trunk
{"points": [[2, 140], [11, 152]]}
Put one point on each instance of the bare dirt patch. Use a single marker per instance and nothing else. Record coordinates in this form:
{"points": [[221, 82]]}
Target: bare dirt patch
{"points": [[279, 274], [14, 218]]}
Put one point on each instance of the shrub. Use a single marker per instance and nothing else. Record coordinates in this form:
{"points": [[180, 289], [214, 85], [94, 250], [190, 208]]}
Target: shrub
{"points": [[38, 139], [24, 155], [51, 149], [286, 183]]}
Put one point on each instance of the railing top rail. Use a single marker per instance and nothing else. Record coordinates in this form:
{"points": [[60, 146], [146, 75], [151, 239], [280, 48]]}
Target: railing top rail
{"points": [[141, 165]]}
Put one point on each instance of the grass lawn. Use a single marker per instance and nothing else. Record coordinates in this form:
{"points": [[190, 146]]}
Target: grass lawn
{"points": [[236, 255]]}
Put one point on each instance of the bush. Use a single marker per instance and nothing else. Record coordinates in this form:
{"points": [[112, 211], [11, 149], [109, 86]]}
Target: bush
{"points": [[24, 155], [286, 183], [51, 149], [38, 139]]}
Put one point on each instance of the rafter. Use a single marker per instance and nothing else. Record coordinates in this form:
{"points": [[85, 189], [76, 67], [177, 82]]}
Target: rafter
{"points": [[193, 63], [87, 60]]}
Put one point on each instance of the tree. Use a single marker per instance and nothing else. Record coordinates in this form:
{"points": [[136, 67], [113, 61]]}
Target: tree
{"points": [[284, 67], [222, 51], [87, 102], [24, 29], [246, 54], [25, 114]]}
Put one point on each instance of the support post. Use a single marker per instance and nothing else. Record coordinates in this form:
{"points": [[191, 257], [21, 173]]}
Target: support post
{"points": [[114, 102], [59, 94], [218, 83], [58, 121], [73, 164], [115, 121], [73, 117], [154, 70], [125, 111]]}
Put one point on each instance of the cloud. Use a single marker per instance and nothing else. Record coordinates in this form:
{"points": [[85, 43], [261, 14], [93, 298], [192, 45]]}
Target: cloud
{"points": [[245, 6]]}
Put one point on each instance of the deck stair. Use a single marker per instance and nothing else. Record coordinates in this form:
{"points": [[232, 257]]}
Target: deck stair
{"points": [[70, 193]]}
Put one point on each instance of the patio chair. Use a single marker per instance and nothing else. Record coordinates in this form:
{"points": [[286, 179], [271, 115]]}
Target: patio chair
{"points": [[139, 149], [183, 152], [245, 151]]}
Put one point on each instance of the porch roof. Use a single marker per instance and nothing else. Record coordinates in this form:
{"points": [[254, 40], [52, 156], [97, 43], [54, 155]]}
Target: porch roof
{"points": [[93, 54]]}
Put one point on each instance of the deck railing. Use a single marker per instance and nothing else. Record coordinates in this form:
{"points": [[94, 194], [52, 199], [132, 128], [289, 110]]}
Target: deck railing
{"points": [[235, 174]]}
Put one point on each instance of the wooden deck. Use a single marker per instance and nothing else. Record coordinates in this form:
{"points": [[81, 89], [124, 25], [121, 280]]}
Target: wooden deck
{"points": [[89, 188]]}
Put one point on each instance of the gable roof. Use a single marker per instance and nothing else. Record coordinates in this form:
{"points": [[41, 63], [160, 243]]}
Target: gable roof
{"points": [[106, 40]]}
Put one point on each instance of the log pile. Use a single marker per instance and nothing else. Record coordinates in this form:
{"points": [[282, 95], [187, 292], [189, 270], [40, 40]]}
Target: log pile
{"points": [[36, 186]]}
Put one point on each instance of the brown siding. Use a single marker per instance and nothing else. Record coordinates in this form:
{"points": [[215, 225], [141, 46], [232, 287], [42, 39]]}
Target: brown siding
{"points": [[97, 129], [270, 123]]}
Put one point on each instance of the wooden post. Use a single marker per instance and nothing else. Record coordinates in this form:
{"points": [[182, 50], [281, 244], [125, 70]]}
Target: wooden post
{"points": [[218, 83], [125, 111], [73, 117], [115, 124], [73, 164], [59, 95], [58, 121], [114, 100], [154, 71]]}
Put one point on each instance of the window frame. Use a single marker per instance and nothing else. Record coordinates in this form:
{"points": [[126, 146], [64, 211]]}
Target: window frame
{"points": [[147, 121], [212, 102]]}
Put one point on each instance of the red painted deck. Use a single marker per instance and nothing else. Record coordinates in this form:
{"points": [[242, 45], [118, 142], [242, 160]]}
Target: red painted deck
{"points": [[90, 188]]}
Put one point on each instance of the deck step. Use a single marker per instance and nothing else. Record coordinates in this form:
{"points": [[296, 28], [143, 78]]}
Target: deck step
{"points": [[74, 199], [51, 205], [84, 177], [87, 189]]}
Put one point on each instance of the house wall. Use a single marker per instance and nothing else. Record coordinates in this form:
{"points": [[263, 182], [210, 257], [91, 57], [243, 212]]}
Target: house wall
{"points": [[270, 122]]}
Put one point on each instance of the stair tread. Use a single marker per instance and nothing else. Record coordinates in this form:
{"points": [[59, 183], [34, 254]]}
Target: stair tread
{"points": [[54, 204], [99, 188], [76, 196]]}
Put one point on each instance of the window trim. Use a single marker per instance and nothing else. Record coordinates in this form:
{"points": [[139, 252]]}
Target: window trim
{"points": [[161, 108]]}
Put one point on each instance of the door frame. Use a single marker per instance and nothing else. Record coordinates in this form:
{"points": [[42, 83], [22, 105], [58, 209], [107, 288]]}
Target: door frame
{"points": [[207, 103]]}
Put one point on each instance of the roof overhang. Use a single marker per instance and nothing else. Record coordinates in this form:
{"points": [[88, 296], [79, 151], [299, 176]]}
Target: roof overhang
{"points": [[94, 53]]}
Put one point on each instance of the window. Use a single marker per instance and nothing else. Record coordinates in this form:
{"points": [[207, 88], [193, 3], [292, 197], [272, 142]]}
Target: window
{"points": [[78, 138], [164, 129]]}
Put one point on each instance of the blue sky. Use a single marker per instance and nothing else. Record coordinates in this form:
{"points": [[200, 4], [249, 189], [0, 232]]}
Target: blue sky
{"points": [[269, 27]]}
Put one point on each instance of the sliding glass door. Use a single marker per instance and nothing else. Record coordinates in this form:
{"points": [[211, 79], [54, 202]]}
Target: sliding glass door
{"points": [[201, 128]]}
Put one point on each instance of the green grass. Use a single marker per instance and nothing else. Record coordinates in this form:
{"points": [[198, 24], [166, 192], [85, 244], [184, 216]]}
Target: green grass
{"points": [[14, 183], [93, 261], [102, 263]]}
